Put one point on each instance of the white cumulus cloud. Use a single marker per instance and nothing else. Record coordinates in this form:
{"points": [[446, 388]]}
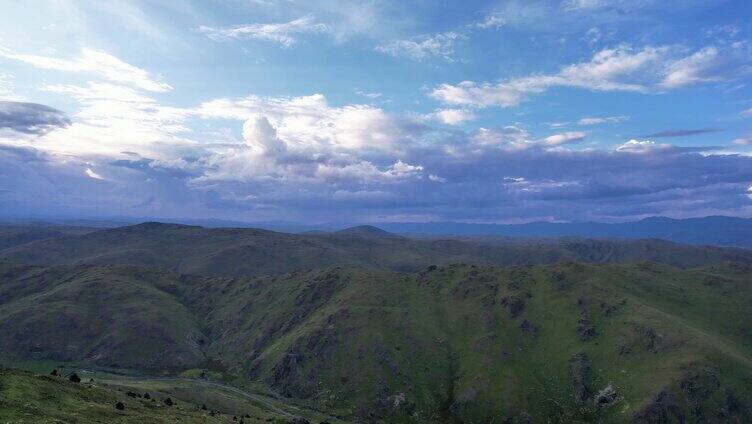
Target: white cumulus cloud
{"points": [[623, 68]]}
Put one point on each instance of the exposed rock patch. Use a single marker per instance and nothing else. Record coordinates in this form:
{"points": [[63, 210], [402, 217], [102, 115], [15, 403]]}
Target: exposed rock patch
{"points": [[579, 375], [585, 328], [606, 397]]}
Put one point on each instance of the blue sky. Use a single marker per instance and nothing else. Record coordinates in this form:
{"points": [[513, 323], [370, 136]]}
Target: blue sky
{"points": [[321, 111]]}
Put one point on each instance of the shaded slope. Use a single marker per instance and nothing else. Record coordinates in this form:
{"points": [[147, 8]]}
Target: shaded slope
{"points": [[249, 252], [98, 315]]}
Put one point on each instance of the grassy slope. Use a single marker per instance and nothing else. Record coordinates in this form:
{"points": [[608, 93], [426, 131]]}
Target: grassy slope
{"points": [[249, 252], [30, 398], [444, 343]]}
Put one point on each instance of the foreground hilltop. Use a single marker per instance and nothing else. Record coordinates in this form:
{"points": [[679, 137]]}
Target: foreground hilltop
{"points": [[249, 252], [458, 343], [30, 398]]}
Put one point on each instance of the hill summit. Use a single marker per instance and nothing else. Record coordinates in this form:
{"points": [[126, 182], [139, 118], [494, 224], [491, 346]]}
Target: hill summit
{"points": [[367, 231]]}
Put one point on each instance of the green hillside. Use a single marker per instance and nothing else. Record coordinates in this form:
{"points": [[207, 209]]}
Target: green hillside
{"points": [[31, 398], [458, 343], [248, 252]]}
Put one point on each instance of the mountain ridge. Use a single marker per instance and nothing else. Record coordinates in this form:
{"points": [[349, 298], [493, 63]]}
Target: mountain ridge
{"points": [[248, 252]]}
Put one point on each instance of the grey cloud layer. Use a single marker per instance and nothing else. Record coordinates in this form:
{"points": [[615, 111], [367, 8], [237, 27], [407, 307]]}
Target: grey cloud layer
{"points": [[472, 182], [680, 133], [31, 118]]}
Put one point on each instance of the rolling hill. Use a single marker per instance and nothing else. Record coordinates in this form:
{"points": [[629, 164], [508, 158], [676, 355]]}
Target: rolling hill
{"points": [[14, 235], [457, 343], [250, 252]]}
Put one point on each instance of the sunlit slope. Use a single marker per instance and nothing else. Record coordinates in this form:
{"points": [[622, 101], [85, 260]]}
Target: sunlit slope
{"points": [[450, 343], [250, 252]]}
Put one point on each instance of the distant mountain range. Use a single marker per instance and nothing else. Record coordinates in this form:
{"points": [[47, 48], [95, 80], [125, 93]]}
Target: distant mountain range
{"points": [[711, 230]]}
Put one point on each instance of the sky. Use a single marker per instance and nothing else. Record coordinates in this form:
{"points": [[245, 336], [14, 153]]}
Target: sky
{"points": [[376, 111]]}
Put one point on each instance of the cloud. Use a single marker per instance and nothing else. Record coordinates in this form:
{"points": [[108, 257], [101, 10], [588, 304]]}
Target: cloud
{"points": [[637, 179], [92, 174], [710, 64], [469, 93], [491, 21], [641, 146], [602, 120], [115, 118], [260, 135], [304, 139], [681, 133], [99, 63], [571, 5], [31, 118], [743, 141], [453, 116], [303, 158], [6, 89], [310, 124], [581, 4], [514, 138], [564, 138], [746, 113], [623, 68], [419, 48], [284, 33], [723, 32], [510, 137], [374, 95]]}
